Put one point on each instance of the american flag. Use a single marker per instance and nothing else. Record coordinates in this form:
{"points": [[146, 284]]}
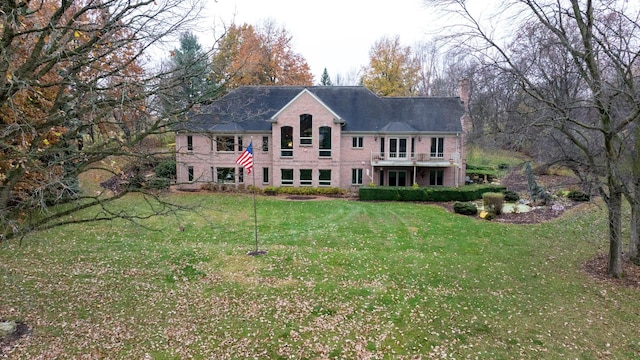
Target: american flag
{"points": [[246, 158]]}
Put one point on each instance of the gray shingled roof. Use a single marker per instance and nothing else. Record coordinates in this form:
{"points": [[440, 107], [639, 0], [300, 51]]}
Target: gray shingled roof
{"points": [[250, 108]]}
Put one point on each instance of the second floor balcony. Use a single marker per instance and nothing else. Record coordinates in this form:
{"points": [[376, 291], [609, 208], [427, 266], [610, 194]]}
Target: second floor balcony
{"points": [[415, 159]]}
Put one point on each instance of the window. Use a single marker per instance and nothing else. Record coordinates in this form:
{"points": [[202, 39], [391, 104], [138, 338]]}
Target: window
{"points": [[265, 143], [325, 141], [286, 141], [190, 173], [240, 143], [357, 142], [265, 175], [397, 178], [189, 143], [437, 147], [306, 131], [240, 175], [287, 177], [226, 175], [224, 143], [413, 147], [306, 177], [356, 176], [213, 174], [397, 148], [436, 177], [324, 178]]}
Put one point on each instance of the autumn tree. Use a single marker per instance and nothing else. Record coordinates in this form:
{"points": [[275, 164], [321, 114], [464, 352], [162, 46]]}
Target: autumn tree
{"points": [[264, 55], [576, 62], [392, 70], [74, 91]]}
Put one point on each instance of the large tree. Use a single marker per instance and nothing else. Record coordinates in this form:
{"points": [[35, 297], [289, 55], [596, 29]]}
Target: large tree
{"points": [[190, 73], [264, 55], [392, 70], [577, 63], [75, 90]]}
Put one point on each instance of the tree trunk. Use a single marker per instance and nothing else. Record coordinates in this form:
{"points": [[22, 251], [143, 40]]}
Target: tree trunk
{"points": [[634, 240], [614, 206]]}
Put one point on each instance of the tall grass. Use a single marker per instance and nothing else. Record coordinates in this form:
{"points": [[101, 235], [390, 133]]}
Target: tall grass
{"points": [[341, 279]]}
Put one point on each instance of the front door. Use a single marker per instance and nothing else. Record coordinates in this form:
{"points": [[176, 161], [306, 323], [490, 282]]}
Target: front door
{"points": [[397, 178]]}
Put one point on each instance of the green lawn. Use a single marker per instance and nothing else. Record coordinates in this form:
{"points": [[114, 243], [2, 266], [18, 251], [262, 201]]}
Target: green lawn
{"points": [[341, 279]]}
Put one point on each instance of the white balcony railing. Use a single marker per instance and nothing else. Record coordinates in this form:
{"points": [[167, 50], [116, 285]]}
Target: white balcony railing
{"points": [[414, 157]]}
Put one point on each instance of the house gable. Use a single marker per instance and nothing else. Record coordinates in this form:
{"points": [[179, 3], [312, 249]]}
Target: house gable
{"points": [[303, 93]]}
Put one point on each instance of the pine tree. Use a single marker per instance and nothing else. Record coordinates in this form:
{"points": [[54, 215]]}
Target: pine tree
{"points": [[190, 64], [325, 80]]}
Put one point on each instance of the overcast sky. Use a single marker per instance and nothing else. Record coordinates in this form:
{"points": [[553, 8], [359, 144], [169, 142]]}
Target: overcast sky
{"points": [[336, 34]]}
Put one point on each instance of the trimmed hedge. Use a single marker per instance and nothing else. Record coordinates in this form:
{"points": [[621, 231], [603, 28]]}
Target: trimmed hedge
{"points": [[433, 194]]}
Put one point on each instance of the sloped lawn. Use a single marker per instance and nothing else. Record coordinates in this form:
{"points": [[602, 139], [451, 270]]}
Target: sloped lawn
{"points": [[341, 279]]}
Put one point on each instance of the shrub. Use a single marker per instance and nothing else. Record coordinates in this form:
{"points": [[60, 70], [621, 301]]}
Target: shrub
{"points": [[166, 169], [412, 194], [511, 196], [493, 202], [210, 186], [577, 195], [270, 190], [465, 208]]}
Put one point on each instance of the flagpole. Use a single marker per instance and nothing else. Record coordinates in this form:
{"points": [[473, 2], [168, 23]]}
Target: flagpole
{"points": [[255, 209], [247, 160]]}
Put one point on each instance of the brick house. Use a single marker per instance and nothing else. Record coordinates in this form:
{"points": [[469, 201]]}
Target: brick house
{"points": [[325, 136]]}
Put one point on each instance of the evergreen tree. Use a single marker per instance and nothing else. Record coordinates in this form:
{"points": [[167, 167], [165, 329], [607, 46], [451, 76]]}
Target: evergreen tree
{"points": [[325, 80], [190, 64]]}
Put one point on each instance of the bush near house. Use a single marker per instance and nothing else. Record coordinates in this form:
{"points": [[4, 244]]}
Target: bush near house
{"points": [[332, 191], [433, 194]]}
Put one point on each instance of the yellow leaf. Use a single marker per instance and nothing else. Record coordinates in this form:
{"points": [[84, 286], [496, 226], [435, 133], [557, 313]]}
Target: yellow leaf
{"points": [[76, 33], [45, 141]]}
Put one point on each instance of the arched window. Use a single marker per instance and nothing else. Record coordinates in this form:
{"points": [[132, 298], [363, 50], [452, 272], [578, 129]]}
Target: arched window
{"points": [[306, 129], [286, 141]]}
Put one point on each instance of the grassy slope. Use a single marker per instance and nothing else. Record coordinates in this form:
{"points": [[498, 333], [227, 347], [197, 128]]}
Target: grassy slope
{"points": [[341, 279]]}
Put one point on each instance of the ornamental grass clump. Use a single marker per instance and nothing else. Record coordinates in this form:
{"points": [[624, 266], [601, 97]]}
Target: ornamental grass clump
{"points": [[493, 202]]}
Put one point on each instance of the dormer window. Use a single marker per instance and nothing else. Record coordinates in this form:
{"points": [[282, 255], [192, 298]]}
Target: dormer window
{"points": [[306, 129]]}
